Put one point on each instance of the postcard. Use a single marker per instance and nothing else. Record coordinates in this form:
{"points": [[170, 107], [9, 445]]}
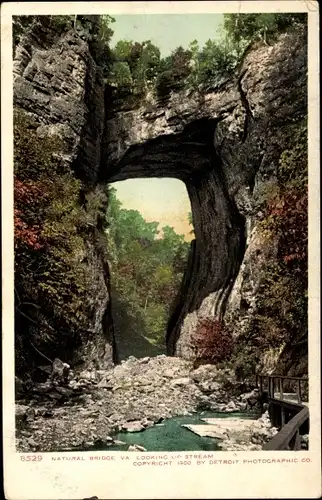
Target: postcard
{"points": [[160, 187]]}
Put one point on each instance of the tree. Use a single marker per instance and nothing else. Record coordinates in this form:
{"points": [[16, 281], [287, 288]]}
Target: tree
{"points": [[141, 60], [145, 65], [242, 29], [180, 60], [214, 62], [147, 268], [173, 72], [122, 50], [105, 31], [121, 77]]}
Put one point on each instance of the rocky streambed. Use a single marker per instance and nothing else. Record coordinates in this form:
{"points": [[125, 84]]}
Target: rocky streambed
{"points": [[91, 408]]}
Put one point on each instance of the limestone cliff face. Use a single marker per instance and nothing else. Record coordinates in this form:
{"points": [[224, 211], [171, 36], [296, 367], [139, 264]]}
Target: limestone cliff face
{"points": [[58, 82], [224, 145]]}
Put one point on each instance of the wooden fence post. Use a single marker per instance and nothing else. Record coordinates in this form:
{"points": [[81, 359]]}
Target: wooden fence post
{"points": [[299, 391], [297, 441], [282, 416]]}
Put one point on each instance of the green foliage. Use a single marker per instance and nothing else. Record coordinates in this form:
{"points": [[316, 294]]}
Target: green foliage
{"points": [[293, 162], [242, 29], [122, 50], [173, 73], [215, 60], [132, 69], [99, 40], [147, 269], [139, 62], [244, 362], [40, 157], [138, 67], [105, 31], [121, 74]]}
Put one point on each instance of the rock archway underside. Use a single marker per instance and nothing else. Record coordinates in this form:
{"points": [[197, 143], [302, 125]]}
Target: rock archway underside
{"points": [[224, 145]]}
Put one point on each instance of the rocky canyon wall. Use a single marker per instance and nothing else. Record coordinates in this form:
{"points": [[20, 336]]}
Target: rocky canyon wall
{"points": [[59, 84]]}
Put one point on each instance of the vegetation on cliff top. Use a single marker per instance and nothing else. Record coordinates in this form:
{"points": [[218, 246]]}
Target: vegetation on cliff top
{"points": [[138, 68], [135, 69]]}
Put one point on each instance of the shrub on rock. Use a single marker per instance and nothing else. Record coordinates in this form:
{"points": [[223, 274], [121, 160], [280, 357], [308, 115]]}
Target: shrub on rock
{"points": [[212, 342]]}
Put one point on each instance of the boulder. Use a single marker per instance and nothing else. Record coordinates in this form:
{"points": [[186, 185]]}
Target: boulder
{"points": [[21, 412], [230, 407], [136, 447], [88, 375], [64, 391], [134, 426], [144, 360], [209, 387], [203, 373], [251, 398], [105, 384], [60, 370], [147, 423], [181, 381]]}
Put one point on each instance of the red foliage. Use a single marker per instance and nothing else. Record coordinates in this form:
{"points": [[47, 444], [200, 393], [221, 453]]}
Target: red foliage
{"points": [[289, 219], [29, 196], [212, 341]]}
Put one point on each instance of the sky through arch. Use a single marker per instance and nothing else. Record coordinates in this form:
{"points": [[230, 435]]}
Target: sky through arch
{"points": [[163, 200]]}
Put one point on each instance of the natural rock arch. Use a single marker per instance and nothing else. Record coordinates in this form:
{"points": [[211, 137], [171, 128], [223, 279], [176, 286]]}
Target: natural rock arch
{"points": [[218, 249], [224, 145]]}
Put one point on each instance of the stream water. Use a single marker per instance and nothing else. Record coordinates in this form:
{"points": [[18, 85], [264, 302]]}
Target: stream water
{"points": [[171, 436]]}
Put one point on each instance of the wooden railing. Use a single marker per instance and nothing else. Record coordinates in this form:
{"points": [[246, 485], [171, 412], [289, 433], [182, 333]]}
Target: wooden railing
{"points": [[288, 438], [275, 384], [281, 405]]}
